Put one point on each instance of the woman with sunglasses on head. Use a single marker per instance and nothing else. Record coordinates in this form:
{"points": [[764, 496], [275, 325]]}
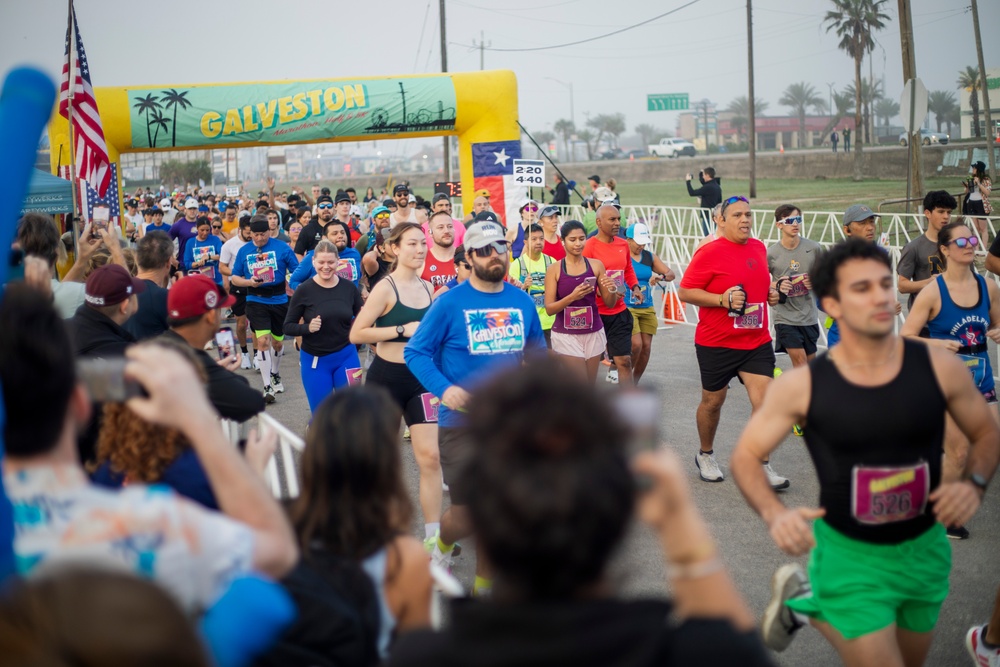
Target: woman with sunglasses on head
{"points": [[961, 310], [571, 289], [294, 230], [388, 320]]}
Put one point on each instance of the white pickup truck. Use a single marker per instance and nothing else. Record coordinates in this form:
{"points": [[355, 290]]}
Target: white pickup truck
{"points": [[672, 147]]}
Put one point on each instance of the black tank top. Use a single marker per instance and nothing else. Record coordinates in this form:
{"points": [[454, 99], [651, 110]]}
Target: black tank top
{"points": [[380, 273], [401, 313], [877, 450]]}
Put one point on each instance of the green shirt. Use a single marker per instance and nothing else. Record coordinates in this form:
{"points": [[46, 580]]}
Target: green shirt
{"points": [[524, 265]]}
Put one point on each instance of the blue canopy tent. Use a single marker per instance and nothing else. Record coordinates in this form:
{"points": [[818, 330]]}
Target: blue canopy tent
{"points": [[48, 194]]}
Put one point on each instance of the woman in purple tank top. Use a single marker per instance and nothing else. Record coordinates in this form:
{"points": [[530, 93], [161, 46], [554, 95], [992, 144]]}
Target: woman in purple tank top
{"points": [[571, 290]]}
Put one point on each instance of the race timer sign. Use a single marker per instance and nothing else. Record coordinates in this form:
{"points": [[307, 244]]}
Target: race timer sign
{"points": [[450, 188], [530, 173]]}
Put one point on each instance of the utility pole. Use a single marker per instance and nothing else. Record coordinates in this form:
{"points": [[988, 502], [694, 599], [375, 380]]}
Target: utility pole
{"points": [[915, 186], [481, 46], [991, 131], [750, 103], [444, 68]]}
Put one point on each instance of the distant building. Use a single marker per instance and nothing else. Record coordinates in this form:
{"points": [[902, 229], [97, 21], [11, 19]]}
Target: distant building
{"points": [[772, 131], [965, 117]]}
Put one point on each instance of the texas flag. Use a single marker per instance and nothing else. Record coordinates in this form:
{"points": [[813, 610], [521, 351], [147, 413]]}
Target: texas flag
{"points": [[493, 170]]}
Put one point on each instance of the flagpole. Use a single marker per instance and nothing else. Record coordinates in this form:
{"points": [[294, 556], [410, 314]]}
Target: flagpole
{"points": [[72, 144]]}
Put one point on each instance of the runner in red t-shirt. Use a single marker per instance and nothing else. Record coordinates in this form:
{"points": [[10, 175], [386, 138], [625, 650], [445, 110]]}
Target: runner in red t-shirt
{"points": [[548, 218], [730, 345], [614, 253], [439, 265]]}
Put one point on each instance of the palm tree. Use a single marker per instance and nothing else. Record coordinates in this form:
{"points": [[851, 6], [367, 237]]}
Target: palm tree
{"points": [[801, 96], [870, 93], [740, 108], [953, 117], [940, 103], [969, 80], [886, 109], [565, 128], [843, 103], [145, 105], [172, 98], [160, 123], [855, 21]]}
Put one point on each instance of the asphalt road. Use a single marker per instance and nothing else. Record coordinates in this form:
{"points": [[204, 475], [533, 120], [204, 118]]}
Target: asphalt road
{"points": [[745, 545]]}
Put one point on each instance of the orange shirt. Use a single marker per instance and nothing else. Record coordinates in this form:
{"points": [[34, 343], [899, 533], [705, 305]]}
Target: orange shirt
{"points": [[617, 262]]}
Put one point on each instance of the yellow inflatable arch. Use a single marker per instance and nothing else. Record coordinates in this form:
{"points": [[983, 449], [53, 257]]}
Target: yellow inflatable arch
{"points": [[480, 108]]}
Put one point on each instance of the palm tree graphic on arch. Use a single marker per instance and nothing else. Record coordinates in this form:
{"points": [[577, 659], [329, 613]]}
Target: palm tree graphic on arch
{"points": [[172, 98], [145, 105], [159, 122]]}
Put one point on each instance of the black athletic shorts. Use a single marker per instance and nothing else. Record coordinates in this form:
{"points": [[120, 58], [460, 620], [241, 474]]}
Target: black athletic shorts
{"points": [[719, 365], [418, 405], [240, 307], [794, 337], [455, 447], [618, 330], [268, 317]]}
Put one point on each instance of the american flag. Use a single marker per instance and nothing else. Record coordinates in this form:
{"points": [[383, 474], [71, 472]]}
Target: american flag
{"points": [[90, 198], [91, 152]]}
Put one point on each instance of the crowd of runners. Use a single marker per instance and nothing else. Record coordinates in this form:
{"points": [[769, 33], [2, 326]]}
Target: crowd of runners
{"points": [[439, 318]]}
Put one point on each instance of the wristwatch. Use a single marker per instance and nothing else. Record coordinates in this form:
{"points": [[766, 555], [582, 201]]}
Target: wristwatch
{"points": [[978, 480], [399, 329]]}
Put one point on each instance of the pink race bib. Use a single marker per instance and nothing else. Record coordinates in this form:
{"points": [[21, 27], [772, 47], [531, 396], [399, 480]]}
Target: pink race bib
{"points": [[431, 404], [752, 317], [354, 376], [890, 494], [578, 318], [798, 287]]}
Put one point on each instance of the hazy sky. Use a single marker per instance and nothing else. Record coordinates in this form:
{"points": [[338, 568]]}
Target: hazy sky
{"points": [[700, 49]]}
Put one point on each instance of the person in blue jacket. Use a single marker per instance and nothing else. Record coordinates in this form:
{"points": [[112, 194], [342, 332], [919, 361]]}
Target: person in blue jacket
{"points": [[348, 266], [470, 333]]}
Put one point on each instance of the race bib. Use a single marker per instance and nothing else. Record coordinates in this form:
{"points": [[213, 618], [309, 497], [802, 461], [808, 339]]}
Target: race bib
{"points": [[354, 376], [431, 404], [889, 495], [347, 269], [539, 300], [798, 284], [644, 290], [618, 277], [578, 318], [752, 317], [976, 366]]}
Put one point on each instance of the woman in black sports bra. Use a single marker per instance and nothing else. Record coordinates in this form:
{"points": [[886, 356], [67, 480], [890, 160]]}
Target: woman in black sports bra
{"points": [[377, 263], [389, 318]]}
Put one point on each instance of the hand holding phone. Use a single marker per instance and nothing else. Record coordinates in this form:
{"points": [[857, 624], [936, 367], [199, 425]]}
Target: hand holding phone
{"points": [[590, 280], [225, 342]]}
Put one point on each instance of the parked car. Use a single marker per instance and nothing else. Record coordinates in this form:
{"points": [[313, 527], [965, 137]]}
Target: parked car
{"points": [[926, 137], [613, 154], [672, 147], [637, 153]]}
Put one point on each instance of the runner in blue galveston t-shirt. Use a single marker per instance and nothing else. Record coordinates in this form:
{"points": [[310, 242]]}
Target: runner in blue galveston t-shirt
{"points": [[261, 267], [202, 253], [348, 266]]}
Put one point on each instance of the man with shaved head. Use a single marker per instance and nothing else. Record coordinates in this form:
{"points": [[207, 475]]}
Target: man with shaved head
{"points": [[613, 251], [479, 204]]}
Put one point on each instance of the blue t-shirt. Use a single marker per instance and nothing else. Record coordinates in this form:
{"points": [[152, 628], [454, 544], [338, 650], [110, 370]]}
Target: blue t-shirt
{"points": [[271, 262], [184, 475], [162, 227], [475, 335], [348, 268], [643, 272], [197, 250]]}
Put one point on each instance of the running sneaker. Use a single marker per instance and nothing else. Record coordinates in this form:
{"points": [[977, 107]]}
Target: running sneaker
{"points": [[269, 394], [612, 376], [440, 558], [708, 469], [431, 543], [960, 533], [780, 623], [253, 362], [776, 481], [245, 362], [975, 642], [797, 430], [276, 383], [406, 433]]}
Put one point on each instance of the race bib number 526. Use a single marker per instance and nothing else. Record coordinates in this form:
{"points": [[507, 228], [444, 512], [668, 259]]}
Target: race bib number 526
{"points": [[889, 494]]}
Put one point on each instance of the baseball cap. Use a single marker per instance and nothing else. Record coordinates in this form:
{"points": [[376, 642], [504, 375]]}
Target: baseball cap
{"points": [[595, 178], [603, 194], [411, 198], [223, 206], [979, 165], [259, 224], [528, 202], [548, 211], [857, 213], [388, 202], [341, 196], [132, 202], [191, 203], [482, 233], [483, 192], [195, 295], [111, 284], [378, 210], [155, 210], [441, 196], [165, 202], [487, 216], [639, 233], [324, 199], [203, 208], [356, 210], [400, 187]]}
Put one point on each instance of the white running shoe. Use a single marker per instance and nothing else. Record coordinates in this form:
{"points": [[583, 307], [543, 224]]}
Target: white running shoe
{"points": [[708, 469], [245, 363], [983, 656], [276, 384], [440, 558], [269, 394], [776, 481], [612, 376], [253, 362], [780, 624]]}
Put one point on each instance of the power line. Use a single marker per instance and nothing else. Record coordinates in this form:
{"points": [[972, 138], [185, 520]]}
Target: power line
{"points": [[420, 42], [590, 39]]}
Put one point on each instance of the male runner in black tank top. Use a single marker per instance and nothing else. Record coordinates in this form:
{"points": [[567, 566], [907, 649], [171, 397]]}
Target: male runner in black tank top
{"points": [[879, 559]]}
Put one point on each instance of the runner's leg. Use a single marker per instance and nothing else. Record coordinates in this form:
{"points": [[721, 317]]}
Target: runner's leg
{"points": [[591, 367], [878, 649], [707, 416], [264, 356], [424, 438], [624, 366], [642, 359], [797, 355], [914, 646]]}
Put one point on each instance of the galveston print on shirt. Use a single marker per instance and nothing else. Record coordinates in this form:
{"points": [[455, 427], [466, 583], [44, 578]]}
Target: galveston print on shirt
{"points": [[495, 331]]}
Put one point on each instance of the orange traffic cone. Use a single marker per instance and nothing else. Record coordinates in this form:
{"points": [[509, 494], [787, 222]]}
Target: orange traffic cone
{"points": [[673, 309]]}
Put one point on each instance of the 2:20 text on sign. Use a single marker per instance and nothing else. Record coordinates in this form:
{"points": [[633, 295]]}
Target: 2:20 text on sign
{"points": [[529, 172]]}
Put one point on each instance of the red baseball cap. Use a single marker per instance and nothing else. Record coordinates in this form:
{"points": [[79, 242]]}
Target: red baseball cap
{"points": [[111, 284], [193, 296]]}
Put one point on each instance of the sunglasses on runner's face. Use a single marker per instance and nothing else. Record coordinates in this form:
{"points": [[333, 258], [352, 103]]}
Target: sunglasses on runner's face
{"points": [[532, 209], [324, 206], [382, 216], [794, 220], [732, 200], [965, 242], [216, 226], [486, 251]]}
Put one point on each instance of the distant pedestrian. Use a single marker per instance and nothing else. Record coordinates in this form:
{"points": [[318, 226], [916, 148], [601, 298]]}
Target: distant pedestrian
{"points": [[710, 193], [834, 138], [847, 140]]}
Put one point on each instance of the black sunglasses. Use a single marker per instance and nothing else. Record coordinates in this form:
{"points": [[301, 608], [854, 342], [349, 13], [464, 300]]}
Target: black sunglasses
{"points": [[499, 246]]}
